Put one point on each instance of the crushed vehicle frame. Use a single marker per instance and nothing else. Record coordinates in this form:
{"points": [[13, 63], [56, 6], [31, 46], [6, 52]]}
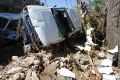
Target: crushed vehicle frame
{"points": [[45, 26]]}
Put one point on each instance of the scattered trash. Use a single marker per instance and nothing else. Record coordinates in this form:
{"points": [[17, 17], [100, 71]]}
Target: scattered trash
{"points": [[66, 72], [89, 31], [14, 70], [109, 77], [18, 76], [106, 63], [115, 50], [89, 41], [86, 48], [101, 54], [27, 48], [105, 70], [15, 58]]}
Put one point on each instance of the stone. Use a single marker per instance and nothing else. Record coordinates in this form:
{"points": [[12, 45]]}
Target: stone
{"points": [[16, 77], [34, 76], [101, 54], [106, 62], [15, 58], [28, 75], [36, 62], [14, 70]]}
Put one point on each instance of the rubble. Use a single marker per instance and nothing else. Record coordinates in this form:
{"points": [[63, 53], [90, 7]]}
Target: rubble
{"points": [[18, 76], [86, 63], [106, 63], [115, 50], [109, 77], [14, 70], [105, 70], [65, 72], [101, 55]]}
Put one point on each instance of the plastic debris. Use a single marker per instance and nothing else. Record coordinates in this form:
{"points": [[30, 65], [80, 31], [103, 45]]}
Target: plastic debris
{"points": [[105, 70], [115, 50], [66, 72], [89, 40], [89, 30], [106, 62], [27, 48], [80, 47], [86, 48], [93, 71], [109, 77]]}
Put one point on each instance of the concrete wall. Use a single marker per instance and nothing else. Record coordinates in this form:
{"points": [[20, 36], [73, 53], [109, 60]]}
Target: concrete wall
{"points": [[113, 25]]}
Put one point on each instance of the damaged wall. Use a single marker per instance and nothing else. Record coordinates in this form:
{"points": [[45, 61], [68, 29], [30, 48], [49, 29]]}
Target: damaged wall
{"points": [[113, 23]]}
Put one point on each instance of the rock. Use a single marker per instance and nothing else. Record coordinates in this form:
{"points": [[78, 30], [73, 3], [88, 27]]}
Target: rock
{"points": [[15, 58], [31, 60], [93, 71], [63, 78], [61, 64], [28, 75], [101, 54], [60, 78], [89, 31], [84, 67], [14, 70], [0, 76], [115, 50], [34, 76], [18, 76], [109, 77], [36, 62], [10, 78]]}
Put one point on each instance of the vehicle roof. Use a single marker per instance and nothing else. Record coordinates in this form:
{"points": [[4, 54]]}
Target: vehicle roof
{"points": [[10, 16]]}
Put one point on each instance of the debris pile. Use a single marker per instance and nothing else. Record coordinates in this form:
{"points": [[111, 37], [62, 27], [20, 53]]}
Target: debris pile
{"points": [[89, 61], [86, 63]]}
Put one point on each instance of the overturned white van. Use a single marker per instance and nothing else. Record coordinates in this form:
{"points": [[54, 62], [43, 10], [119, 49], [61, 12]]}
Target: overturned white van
{"points": [[46, 26]]}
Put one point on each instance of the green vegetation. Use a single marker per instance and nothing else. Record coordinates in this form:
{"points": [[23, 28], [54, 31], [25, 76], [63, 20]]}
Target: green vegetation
{"points": [[95, 5]]}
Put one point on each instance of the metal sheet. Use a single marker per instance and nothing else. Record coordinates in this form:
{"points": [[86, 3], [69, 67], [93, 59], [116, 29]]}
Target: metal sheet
{"points": [[44, 23]]}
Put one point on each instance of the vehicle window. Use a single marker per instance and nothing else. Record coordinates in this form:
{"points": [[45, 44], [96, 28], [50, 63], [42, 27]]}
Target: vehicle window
{"points": [[62, 21]]}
